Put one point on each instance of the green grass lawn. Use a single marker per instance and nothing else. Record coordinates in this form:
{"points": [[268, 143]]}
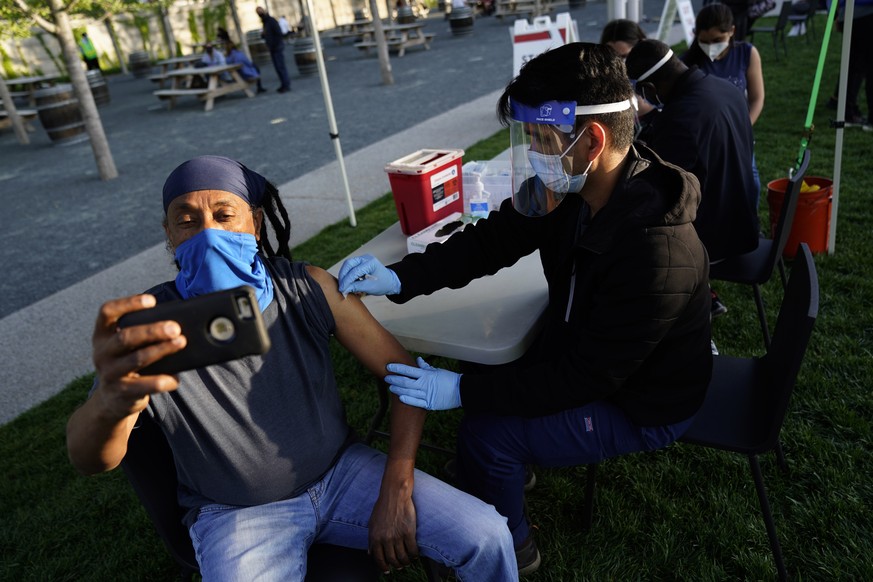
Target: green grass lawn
{"points": [[679, 513]]}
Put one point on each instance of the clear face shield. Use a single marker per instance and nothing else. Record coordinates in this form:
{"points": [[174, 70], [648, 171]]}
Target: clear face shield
{"points": [[545, 166]]}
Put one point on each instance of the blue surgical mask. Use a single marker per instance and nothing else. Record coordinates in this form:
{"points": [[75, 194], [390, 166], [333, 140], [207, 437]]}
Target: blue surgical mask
{"points": [[215, 260], [549, 168]]}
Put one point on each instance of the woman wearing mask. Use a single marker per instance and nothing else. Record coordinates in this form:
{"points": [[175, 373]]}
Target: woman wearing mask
{"points": [[715, 51]]}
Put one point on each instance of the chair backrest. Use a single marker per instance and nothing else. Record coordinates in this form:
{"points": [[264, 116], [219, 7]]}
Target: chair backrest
{"points": [[784, 13], [794, 325], [150, 468], [788, 210]]}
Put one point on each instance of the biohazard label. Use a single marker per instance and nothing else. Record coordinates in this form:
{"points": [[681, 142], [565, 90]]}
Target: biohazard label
{"points": [[445, 187]]}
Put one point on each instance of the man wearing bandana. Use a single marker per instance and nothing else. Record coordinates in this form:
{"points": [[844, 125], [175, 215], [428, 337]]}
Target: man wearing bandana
{"points": [[266, 463], [623, 360]]}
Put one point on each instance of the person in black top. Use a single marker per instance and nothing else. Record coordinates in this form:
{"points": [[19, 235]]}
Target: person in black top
{"points": [[274, 38], [703, 127], [623, 360]]}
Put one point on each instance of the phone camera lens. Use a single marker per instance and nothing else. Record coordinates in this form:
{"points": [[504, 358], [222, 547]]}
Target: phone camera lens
{"points": [[222, 330]]}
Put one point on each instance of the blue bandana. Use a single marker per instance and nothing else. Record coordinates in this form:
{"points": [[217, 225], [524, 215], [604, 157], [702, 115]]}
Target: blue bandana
{"points": [[215, 173], [215, 260]]}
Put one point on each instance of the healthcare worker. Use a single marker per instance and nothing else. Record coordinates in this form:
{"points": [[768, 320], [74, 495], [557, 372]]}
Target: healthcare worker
{"points": [[623, 360]]}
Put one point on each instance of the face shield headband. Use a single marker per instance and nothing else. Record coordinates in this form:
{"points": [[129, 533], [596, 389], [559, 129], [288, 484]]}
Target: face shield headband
{"points": [[542, 140], [654, 67]]}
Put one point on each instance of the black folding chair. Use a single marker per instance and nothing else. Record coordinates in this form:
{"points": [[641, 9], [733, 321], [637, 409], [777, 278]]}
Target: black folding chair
{"points": [[747, 399], [777, 30], [151, 471], [807, 19], [756, 267]]}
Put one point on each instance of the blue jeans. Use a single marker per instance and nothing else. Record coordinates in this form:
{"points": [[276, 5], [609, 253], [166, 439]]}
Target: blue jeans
{"points": [[493, 450], [270, 542], [279, 64]]}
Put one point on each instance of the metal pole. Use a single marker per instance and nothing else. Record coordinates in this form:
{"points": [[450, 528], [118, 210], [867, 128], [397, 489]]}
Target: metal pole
{"points": [[841, 116], [328, 104]]}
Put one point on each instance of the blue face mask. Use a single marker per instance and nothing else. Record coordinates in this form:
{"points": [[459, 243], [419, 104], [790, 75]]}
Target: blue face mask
{"points": [[215, 260], [550, 169]]}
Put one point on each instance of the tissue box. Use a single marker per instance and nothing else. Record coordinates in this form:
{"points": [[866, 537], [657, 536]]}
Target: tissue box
{"points": [[438, 232]]}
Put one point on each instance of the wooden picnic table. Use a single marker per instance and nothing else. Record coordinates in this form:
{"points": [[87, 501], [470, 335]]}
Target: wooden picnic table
{"points": [[173, 63], [215, 86], [400, 37], [358, 29], [522, 8], [28, 86]]}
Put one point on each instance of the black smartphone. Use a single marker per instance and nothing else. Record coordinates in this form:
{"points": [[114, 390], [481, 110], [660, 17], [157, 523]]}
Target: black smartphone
{"points": [[219, 327]]}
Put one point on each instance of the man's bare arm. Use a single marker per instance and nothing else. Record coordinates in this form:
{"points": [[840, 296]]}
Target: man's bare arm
{"points": [[392, 527]]}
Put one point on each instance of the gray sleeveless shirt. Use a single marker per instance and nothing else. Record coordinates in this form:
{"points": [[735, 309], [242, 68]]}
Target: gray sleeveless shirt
{"points": [[262, 428]]}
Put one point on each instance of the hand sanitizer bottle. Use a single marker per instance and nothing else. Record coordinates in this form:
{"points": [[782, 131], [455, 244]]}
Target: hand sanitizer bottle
{"points": [[479, 204]]}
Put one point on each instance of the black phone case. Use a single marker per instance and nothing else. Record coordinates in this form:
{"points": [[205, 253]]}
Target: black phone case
{"points": [[201, 319]]}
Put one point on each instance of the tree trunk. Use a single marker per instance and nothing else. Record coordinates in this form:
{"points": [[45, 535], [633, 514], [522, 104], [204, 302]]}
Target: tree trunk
{"points": [[381, 45], [122, 62], [243, 42], [168, 32], [9, 105], [93, 125]]}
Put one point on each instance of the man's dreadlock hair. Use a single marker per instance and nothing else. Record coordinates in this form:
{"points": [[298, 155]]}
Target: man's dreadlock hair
{"points": [[276, 214]]}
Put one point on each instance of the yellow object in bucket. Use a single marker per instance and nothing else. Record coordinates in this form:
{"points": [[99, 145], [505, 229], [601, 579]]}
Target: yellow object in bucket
{"points": [[804, 187]]}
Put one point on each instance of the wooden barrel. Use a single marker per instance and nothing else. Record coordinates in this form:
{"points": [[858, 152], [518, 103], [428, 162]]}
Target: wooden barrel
{"points": [[461, 21], [405, 15], [304, 56], [257, 47], [58, 111], [99, 88], [139, 64]]}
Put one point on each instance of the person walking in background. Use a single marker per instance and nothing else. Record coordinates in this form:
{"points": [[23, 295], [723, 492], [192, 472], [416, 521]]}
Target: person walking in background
{"points": [[89, 53], [272, 35]]}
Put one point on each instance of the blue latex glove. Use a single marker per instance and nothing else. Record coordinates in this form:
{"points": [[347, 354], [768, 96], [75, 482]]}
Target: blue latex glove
{"points": [[365, 274], [425, 387]]}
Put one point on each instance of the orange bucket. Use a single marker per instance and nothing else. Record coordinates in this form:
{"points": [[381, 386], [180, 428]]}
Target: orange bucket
{"points": [[811, 220]]}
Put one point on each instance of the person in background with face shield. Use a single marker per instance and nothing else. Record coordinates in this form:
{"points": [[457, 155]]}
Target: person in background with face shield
{"points": [[267, 464], [703, 127], [623, 360]]}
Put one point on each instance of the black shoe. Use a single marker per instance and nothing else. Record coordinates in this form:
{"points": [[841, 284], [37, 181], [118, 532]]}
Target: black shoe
{"points": [[528, 558], [261, 90], [718, 308], [283, 89]]}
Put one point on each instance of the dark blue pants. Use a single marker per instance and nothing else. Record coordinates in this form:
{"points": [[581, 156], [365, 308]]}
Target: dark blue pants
{"points": [[493, 450], [279, 64]]}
